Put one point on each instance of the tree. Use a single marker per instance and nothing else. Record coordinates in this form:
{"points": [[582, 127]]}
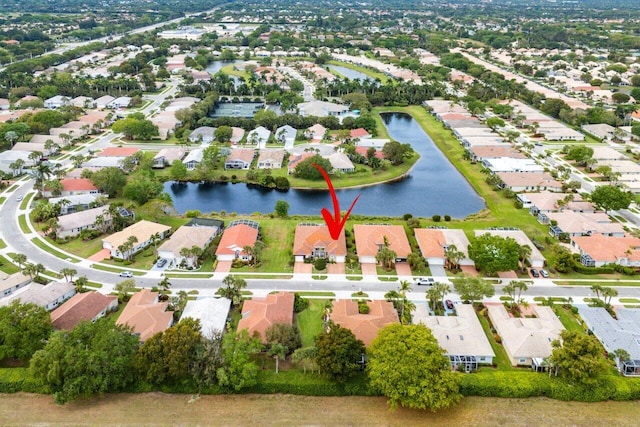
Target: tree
{"points": [[285, 334], [208, 359], [278, 352], [68, 273], [453, 256], [395, 152], [109, 180], [282, 209], [306, 170], [495, 122], [609, 198], [167, 356], [472, 288], [224, 133], [607, 293], [142, 189], [232, 289], [306, 356], [81, 284], [514, 291], [24, 329], [407, 365], [524, 252], [580, 154], [578, 357], [339, 353], [125, 288], [238, 370], [494, 253], [178, 170], [20, 259], [93, 358]]}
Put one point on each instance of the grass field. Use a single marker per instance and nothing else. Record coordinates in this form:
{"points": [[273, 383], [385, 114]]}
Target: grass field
{"points": [[158, 409], [39, 243], [310, 321]]}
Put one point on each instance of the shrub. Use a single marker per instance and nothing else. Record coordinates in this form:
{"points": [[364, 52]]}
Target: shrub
{"points": [[498, 338], [363, 307], [436, 218], [320, 264], [407, 216], [299, 303], [447, 218]]}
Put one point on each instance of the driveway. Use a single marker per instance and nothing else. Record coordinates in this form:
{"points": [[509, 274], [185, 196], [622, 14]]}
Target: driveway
{"points": [[302, 268], [403, 269], [369, 270], [223, 266], [438, 271]]}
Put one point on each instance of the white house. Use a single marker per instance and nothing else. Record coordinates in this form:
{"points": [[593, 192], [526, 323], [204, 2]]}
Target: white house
{"points": [[203, 134], [56, 102], [73, 224], [286, 135], [259, 136], [143, 232], [193, 158], [199, 232], [120, 102], [166, 156], [211, 312]]}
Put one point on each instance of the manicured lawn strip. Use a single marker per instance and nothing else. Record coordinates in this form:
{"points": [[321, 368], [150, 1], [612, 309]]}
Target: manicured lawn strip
{"points": [[8, 266], [26, 200], [39, 243], [316, 294], [229, 70], [568, 320], [2, 199], [2, 244], [354, 278], [22, 222], [143, 260], [10, 189], [94, 285], [188, 275], [319, 277], [79, 247], [310, 321], [630, 300], [501, 360], [262, 276], [607, 280], [116, 270], [368, 71], [53, 274]]}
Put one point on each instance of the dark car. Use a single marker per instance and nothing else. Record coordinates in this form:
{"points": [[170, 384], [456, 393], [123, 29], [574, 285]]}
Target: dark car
{"points": [[534, 272], [544, 274], [449, 304]]}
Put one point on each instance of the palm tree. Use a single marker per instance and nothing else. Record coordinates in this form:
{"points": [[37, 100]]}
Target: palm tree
{"points": [[164, 286], [81, 284], [608, 293], [68, 273], [124, 288], [433, 296], [453, 256], [20, 259], [277, 351], [155, 238], [524, 252], [30, 270], [597, 289]]}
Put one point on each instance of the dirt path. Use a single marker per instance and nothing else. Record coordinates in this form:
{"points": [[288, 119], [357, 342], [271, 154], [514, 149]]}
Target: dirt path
{"points": [[157, 409]]}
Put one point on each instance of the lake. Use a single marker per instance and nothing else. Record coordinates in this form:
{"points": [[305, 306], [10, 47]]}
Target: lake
{"points": [[433, 187]]}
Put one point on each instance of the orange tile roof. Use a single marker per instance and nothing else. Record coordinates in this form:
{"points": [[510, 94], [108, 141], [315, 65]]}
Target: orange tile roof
{"points": [[85, 306], [363, 151], [259, 314], [609, 249], [235, 238], [370, 237], [309, 237], [364, 326], [146, 316], [431, 242], [359, 133], [77, 184], [118, 152]]}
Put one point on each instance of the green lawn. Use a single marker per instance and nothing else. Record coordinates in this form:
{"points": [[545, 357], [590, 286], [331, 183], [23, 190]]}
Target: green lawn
{"points": [[568, 319], [142, 260], [310, 321], [26, 200], [2, 199], [22, 222], [39, 243], [500, 360], [116, 270], [2, 244], [368, 71], [7, 266], [188, 275], [79, 247]]}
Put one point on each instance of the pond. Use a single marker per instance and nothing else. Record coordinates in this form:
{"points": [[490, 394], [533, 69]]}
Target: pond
{"points": [[433, 187], [215, 66]]}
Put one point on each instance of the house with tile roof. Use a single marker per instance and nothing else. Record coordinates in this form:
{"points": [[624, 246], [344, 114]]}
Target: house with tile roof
{"points": [[364, 326], [259, 136], [523, 181], [434, 243], [235, 237], [193, 158], [295, 159], [461, 336], [258, 314], [88, 306], [10, 283], [73, 186], [236, 134], [270, 158], [370, 238], [118, 152], [166, 156], [74, 223], [545, 202], [316, 132], [313, 241], [48, 296], [187, 237], [286, 135], [240, 158], [359, 133], [526, 338], [580, 224], [146, 315], [598, 250], [341, 163], [143, 231]]}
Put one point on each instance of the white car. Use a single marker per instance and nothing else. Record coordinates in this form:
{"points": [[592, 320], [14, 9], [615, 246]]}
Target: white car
{"points": [[19, 198], [425, 281], [126, 274]]}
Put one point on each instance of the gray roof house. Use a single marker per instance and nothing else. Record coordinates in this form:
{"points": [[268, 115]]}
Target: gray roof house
{"points": [[73, 224], [103, 101], [9, 157], [74, 203], [11, 283], [193, 158], [120, 102], [322, 109], [188, 236], [259, 136], [270, 159], [203, 134], [461, 336], [166, 156], [212, 313], [56, 102], [526, 338], [286, 135], [48, 296], [340, 162]]}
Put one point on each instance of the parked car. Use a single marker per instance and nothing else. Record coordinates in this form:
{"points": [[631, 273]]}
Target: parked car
{"points": [[449, 304], [425, 281], [126, 274], [161, 262], [534, 272], [544, 273], [19, 198]]}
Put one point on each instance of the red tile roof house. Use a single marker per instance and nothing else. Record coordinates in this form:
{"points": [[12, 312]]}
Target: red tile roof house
{"points": [[234, 239], [598, 250], [433, 243], [314, 241], [294, 160], [146, 315], [260, 313], [75, 186], [370, 239], [359, 133], [364, 326], [118, 152], [87, 306]]}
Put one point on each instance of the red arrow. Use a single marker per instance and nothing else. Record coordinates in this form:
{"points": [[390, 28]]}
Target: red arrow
{"points": [[334, 223]]}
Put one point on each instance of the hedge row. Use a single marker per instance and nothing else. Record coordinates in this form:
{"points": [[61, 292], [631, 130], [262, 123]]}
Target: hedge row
{"points": [[13, 380], [532, 384]]}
